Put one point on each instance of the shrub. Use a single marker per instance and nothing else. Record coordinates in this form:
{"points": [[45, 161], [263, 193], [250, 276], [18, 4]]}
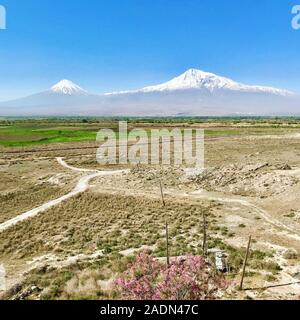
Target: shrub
{"points": [[190, 278]]}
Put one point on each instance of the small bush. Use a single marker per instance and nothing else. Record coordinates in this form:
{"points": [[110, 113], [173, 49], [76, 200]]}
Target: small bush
{"points": [[185, 279]]}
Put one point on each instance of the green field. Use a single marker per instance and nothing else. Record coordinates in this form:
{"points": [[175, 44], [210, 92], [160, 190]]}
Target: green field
{"points": [[15, 136], [31, 132]]}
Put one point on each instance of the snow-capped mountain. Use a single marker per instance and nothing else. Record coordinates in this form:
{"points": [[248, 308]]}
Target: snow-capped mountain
{"points": [[193, 93], [64, 98], [68, 87], [199, 93], [194, 79]]}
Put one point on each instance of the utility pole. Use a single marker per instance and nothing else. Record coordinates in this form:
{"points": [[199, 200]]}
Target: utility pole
{"points": [[204, 246], [167, 244], [162, 194], [245, 263]]}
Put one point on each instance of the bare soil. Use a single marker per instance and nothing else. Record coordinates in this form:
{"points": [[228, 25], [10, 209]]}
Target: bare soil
{"points": [[250, 186]]}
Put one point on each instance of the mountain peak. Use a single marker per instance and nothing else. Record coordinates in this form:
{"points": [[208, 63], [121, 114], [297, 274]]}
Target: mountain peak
{"points": [[196, 73], [194, 79], [67, 87], [197, 79]]}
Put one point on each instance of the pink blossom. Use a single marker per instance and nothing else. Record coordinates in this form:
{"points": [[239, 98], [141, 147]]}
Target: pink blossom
{"points": [[190, 278]]}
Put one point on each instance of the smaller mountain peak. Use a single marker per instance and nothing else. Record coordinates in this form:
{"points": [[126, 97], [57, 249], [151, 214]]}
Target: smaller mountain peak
{"points": [[67, 87]]}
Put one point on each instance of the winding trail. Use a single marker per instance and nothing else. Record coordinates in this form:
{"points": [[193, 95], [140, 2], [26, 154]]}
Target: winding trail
{"points": [[212, 196], [81, 186], [261, 212]]}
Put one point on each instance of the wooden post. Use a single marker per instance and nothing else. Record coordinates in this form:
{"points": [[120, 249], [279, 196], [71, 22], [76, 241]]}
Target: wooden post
{"points": [[245, 263], [162, 194], [204, 246], [167, 244]]}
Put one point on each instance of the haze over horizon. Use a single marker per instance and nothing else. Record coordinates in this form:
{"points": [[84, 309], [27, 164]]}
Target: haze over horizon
{"points": [[193, 93], [71, 87], [114, 46]]}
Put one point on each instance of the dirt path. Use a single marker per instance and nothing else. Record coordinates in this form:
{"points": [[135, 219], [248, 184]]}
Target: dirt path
{"points": [[64, 164], [89, 174], [82, 186], [214, 196], [287, 271], [202, 194]]}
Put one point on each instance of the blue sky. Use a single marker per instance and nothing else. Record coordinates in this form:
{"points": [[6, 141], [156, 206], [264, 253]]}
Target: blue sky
{"points": [[108, 45]]}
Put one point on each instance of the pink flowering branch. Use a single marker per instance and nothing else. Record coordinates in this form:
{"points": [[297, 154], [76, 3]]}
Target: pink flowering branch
{"points": [[185, 279]]}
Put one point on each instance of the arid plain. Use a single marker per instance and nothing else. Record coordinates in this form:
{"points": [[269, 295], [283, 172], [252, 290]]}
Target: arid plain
{"points": [[68, 225]]}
